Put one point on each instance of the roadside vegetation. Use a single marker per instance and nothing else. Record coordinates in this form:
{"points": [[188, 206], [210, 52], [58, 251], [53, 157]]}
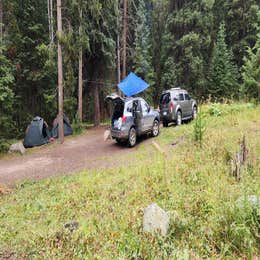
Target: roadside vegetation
{"points": [[193, 182]]}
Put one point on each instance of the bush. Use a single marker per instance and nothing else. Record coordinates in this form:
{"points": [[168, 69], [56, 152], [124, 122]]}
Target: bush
{"points": [[76, 125], [199, 128], [4, 146], [215, 109]]}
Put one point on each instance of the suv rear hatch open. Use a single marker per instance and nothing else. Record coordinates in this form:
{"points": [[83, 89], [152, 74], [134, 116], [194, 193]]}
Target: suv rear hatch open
{"points": [[118, 110]]}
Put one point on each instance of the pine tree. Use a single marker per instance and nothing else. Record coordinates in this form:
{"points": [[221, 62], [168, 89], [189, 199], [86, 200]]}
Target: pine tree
{"points": [[142, 47], [6, 94], [223, 73], [251, 73]]}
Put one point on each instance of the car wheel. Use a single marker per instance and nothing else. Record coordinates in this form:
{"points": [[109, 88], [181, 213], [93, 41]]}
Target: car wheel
{"points": [[194, 112], [165, 124], [156, 128], [178, 118], [132, 137]]}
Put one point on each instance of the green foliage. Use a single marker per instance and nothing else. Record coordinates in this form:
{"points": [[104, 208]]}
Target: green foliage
{"points": [[6, 95], [251, 73], [169, 44], [199, 128], [76, 125], [223, 73], [215, 109], [4, 146]]}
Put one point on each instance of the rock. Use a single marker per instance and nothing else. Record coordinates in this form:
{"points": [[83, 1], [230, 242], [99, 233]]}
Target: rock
{"points": [[18, 147], [156, 220], [252, 200], [72, 226], [107, 135]]}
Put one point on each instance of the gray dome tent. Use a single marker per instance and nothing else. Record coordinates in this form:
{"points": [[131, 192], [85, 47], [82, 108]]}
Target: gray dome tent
{"points": [[66, 126], [37, 133]]}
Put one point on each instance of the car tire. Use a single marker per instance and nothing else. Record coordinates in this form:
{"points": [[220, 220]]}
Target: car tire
{"points": [[165, 124], [156, 128], [194, 112], [132, 137], [178, 118]]}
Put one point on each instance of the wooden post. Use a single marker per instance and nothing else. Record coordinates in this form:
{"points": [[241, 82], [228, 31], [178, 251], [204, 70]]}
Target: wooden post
{"points": [[124, 37], [60, 72]]}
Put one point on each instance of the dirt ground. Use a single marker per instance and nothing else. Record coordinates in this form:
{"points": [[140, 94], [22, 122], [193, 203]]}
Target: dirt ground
{"points": [[87, 151]]}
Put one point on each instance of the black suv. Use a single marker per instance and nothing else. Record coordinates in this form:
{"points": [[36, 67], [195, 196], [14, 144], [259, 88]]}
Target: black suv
{"points": [[176, 105]]}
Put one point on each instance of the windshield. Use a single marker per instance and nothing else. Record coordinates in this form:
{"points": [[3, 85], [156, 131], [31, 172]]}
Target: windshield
{"points": [[165, 98]]}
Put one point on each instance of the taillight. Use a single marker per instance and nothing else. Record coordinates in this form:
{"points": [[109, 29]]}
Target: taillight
{"points": [[124, 118], [172, 107]]}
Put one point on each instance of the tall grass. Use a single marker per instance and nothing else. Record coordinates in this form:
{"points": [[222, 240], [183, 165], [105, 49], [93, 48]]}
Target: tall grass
{"points": [[206, 220]]}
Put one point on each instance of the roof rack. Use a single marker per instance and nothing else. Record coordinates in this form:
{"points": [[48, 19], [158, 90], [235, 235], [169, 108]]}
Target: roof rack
{"points": [[175, 88]]}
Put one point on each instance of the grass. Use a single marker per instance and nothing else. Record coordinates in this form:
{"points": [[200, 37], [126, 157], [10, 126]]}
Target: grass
{"points": [[206, 220]]}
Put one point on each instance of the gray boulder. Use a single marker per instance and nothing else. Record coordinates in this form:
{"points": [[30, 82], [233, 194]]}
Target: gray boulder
{"points": [[251, 200], [156, 220], [18, 147]]}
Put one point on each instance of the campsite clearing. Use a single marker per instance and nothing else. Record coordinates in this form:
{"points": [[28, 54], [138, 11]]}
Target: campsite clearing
{"points": [[84, 152]]}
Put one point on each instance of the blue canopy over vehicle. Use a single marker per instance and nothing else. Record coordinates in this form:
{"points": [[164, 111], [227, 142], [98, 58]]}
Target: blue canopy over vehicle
{"points": [[132, 85]]}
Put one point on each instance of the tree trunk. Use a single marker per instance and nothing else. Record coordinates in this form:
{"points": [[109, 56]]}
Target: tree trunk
{"points": [[118, 47], [80, 75], [80, 85], [60, 72], [51, 23], [1, 21], [124, 37], [97, 107]]}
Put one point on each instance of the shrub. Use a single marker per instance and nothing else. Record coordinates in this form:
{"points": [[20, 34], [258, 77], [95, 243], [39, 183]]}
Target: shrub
{"points": [[215, 110], [76, 125], [199, 128]]}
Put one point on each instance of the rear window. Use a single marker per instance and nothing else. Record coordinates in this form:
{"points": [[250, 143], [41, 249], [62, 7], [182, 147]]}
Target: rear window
{"points": [[165, 98]]}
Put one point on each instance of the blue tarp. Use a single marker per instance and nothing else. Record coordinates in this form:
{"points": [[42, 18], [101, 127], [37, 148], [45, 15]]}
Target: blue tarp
{"points": [[132, 85]]}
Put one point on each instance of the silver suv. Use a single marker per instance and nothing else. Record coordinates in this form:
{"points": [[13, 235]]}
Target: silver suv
{"points": [[132, 117], [176, 105]]}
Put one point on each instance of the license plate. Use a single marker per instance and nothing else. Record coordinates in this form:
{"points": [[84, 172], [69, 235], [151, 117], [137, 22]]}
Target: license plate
{"points": [[164, 113]]}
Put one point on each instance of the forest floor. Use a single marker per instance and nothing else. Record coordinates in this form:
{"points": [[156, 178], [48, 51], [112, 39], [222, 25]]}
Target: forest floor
{"points": [[87, 151]]}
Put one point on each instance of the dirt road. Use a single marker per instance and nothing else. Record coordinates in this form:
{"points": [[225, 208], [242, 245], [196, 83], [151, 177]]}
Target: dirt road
{"points": [[86, 151]]}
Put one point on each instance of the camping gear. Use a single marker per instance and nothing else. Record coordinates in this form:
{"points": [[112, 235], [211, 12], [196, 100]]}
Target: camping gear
{"points": [[132, 85], [37, 133], [66, 126]]}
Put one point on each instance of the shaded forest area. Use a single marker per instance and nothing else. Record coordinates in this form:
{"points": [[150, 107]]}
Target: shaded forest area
{"points": [[209, 47]]}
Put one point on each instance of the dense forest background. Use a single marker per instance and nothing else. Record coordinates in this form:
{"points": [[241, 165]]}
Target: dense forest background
{"points": [[209, 47]]}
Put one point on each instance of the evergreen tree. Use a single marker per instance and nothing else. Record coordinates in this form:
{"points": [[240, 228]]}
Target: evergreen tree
{"points": [[6, 95], [142, 60], [223, 73], [251, 73]]}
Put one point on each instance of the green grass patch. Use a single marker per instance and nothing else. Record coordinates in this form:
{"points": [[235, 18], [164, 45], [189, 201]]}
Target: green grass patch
{"points": [[108, 205]]}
